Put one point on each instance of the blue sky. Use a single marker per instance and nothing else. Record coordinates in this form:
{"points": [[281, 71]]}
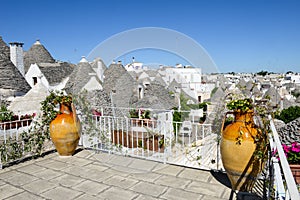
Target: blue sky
{"points": [[240, 36]]}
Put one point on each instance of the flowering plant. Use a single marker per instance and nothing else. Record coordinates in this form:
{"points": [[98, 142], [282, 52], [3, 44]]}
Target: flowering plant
{"points": [[139, 113], [134, 113], [7, 115], [292, 153], [240, 104]]}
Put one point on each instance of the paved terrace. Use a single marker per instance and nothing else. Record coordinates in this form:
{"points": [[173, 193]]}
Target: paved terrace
{"points": [[90, 175]]}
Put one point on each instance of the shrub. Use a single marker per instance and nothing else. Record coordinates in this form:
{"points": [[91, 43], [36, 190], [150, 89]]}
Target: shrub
{"points": [[289, 114], [5, 114]]}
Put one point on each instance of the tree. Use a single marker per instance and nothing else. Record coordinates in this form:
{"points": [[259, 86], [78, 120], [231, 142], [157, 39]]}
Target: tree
{"points": [[262, 73], [289, 114]]}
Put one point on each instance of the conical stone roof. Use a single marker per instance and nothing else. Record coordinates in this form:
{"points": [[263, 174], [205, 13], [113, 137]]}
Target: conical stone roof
{"points": [[218, 95], [11, 78], [55, 73], [156, 97], [255, 90], [98, 100], [120, 86], [79, 77], [273, 95], [37, 54], [113, 75], [223, 81], [4, 49], [173, 86], [158, 80], [249, 85], [242, 83]]}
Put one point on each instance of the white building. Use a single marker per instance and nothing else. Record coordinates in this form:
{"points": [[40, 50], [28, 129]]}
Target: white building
{"points": [[53, 76], [134, 66], [188, 77]]}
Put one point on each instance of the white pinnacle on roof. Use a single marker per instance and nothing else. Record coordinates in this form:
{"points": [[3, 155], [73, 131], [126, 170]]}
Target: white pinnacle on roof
{"points": [[83, 59], [37, 42]]}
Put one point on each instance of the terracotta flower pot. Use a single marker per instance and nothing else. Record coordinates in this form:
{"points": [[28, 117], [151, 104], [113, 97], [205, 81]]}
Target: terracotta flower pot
{"points": [[65, 131], [237, 148], [295, 168]]}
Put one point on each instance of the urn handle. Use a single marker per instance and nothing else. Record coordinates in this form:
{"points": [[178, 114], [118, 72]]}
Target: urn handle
{"points": [[223, 121], [75, 118]]}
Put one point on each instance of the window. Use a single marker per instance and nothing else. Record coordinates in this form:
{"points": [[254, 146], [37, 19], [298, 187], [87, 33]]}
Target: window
{"points": [[140, 93], [34, 80], [199, 99]]}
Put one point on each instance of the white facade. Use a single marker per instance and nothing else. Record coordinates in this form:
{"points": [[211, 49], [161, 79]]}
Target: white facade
{"points": [[134, 66], [16, 56], [189, 78], [35, 76], [205, 91], [100, 71], [92, 84], [293, 78]]}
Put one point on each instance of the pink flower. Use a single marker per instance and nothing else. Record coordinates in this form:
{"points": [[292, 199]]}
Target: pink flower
{"points": [[95, 112], [285, 148], [292, 153]]}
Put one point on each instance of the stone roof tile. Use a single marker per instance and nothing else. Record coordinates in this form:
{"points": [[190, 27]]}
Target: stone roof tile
{"points": [[37, 54], [10, 76], [56, 72], [4, 48], [79, 77]]}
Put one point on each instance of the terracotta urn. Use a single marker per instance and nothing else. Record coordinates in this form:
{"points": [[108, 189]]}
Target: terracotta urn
{"points": [[237, 151], [65, 131]]}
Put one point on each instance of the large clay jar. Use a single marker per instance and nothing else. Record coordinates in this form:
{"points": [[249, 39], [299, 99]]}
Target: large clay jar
{"points": [[65, 131], [237, 151]]}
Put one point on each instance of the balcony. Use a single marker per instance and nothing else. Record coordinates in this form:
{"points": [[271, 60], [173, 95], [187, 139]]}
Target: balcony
{"points": [[122, 163]]}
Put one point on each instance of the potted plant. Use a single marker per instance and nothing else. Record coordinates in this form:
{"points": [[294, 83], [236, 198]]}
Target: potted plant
{"points": [[9, 120], [140, 117], [5, 114], [243, 145], [64, 125], [145, 115], [292, 153]]}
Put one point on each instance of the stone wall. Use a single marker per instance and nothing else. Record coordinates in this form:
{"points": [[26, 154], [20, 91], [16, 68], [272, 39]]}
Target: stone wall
{"points": [[290, 132]]}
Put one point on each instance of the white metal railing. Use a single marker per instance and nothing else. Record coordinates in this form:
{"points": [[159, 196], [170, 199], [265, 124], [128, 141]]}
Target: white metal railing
{"points": [[11, 143], [134, 137], [164, 141], [111, 111], [283, 190]]}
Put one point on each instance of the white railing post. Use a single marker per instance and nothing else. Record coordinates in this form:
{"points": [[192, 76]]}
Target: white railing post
{"points": [[165, 139], [293, 192]]}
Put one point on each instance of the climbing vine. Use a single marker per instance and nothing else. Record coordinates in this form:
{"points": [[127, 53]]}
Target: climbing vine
{"points": [[36, 139]]}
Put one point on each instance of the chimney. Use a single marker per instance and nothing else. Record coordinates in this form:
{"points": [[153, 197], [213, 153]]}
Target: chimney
{"points": [[16, 56]]}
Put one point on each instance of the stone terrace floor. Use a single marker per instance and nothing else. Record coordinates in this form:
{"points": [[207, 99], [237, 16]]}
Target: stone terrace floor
{"points": [[90, 175]]}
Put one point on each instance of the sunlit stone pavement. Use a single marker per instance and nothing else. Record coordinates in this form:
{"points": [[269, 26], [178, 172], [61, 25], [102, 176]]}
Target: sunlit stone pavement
{"points": [[92, 175]]}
